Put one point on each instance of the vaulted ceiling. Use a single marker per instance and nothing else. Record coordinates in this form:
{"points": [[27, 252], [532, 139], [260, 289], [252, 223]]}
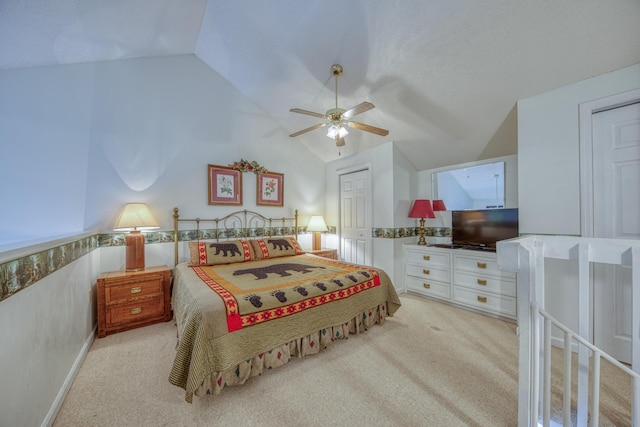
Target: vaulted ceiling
{"points": [[445, 76]]}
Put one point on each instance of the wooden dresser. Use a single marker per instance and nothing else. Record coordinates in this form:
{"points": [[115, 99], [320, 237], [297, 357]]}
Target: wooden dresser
{"points": [[130, 299]]}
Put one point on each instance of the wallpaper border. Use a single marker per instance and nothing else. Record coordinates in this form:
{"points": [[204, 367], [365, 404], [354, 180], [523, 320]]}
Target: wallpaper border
{"points": [[22, 272]]}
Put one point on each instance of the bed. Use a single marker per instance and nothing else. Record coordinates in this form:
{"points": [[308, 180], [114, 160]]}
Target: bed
{"points": [[246, 299]]}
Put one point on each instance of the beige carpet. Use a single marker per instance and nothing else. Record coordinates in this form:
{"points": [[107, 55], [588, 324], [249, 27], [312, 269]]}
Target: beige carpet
{"points": [[430, 365]]}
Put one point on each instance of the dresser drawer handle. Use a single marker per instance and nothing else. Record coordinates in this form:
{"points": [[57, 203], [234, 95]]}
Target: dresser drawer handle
{"points": [[426, 257], [482, 299], [481, 264], [136, 310], [136, 290], [425, 271], [426, 285], [482, 282]]}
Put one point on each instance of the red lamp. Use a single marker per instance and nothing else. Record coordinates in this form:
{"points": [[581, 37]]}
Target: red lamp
{"points": [[134, 218], [438, 205], [421, 209]]}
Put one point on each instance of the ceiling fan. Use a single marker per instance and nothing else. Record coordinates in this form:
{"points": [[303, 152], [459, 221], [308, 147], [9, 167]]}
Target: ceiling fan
{"points": [[337, 118]]}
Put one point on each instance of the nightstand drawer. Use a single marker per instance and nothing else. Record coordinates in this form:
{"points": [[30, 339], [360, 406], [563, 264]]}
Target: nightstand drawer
{"points": [[132, 313], [133, 290]]}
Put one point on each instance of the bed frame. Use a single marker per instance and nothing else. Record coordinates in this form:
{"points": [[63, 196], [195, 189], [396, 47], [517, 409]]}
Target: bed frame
{"points": [[242, 224]]}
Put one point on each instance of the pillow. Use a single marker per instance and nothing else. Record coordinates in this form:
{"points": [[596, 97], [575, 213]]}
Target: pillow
{"points": [[216, 253], [273, 247]]}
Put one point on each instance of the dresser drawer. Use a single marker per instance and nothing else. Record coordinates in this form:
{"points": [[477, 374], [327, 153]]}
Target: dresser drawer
{"points": [[428, 258], [497, 304], [132, 290], [132, 313], [428, 287], [428, 273], [485, 283], [480, 265]]}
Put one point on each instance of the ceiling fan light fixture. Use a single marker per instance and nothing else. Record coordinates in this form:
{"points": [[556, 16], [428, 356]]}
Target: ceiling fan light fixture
{"points": [[335, 130], [338, 118]]}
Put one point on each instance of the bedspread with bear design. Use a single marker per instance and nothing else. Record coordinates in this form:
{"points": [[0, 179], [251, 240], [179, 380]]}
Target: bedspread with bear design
{"points": [[261, 291]]}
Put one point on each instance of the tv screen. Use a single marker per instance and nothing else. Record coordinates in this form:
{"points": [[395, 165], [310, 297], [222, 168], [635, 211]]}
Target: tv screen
{"points": [[483, 228]]}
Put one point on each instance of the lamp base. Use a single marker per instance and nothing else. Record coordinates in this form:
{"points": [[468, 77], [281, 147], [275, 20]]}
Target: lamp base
{"points": [[134, 242], [317, 241], [421, 233]]}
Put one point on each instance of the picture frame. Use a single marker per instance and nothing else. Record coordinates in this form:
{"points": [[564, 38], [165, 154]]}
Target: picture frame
{"points": [[270, 189], [225, 185]]}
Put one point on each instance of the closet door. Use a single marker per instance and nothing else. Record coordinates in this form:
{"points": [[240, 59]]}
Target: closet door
{"points": [[616, 214], [355, 214]]}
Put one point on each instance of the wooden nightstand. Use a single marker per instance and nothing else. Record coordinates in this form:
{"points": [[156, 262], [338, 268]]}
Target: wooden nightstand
{"points": [[130, 299], [326, 253]]}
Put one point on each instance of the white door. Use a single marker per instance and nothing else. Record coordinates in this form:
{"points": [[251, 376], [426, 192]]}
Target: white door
{"points": [[616, 214], [355, 229]]}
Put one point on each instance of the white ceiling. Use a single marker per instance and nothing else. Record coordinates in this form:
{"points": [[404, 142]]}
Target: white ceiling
{"points": [[444, 75]]}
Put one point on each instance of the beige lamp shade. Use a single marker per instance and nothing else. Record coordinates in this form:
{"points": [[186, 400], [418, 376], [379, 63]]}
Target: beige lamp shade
{"points": [[317, 225], [135, 217]]}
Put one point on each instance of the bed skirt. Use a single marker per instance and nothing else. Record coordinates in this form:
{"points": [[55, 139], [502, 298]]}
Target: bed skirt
{"points": [[313, 343]]}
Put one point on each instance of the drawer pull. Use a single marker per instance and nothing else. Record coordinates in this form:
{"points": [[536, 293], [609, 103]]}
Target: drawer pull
{"points": [[481, 264], [426, 257], [426, 285], [136, 310], [425, 271], [482, 299], [482, 282], [136, 290]]}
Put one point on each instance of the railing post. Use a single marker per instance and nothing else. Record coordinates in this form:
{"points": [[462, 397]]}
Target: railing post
{"points": [[584, 315]]}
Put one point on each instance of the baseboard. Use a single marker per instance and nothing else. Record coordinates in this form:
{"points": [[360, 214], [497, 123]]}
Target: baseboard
{"points": [[66, 386]]}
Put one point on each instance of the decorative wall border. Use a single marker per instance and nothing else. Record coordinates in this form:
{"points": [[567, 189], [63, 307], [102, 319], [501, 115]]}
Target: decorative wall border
{"points": [[399, 233], [24, 271]]}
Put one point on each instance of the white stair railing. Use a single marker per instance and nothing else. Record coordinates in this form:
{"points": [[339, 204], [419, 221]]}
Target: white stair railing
{"points": [[526, 256]]}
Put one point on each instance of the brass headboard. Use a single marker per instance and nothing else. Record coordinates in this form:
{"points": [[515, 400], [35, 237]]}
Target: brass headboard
{"points": [[242, 224]]}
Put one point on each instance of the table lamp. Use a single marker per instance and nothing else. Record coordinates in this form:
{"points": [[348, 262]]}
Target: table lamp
{"points": [[421, 209], [317, 225], [135, 217], [438, 205]]}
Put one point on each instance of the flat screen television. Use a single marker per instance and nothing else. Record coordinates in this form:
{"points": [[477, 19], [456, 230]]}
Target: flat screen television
{"points": [[481, 229]]}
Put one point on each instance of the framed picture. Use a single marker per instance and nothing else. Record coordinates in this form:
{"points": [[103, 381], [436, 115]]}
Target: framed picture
{"points": [[270, 189], [225, 185]]}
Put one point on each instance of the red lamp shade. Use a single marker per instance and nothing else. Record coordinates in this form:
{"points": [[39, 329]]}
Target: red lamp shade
{"points": [[421, 209], [438, 205]]}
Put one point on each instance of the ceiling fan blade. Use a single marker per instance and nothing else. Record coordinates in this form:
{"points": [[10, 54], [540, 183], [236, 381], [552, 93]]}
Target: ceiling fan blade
{"points": [[360, 108], [369, 128], [308, 113], [300, 132], [339, 141]]}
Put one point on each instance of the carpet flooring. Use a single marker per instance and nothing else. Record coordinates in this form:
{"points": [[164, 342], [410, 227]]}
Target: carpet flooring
{"points": [[429, 365]]}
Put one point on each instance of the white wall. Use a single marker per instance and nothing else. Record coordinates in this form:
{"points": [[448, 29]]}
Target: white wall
{"points": [[548, 151], [393, 189], [549, 172], [45, 329], [85, 139], [44, 129]]}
